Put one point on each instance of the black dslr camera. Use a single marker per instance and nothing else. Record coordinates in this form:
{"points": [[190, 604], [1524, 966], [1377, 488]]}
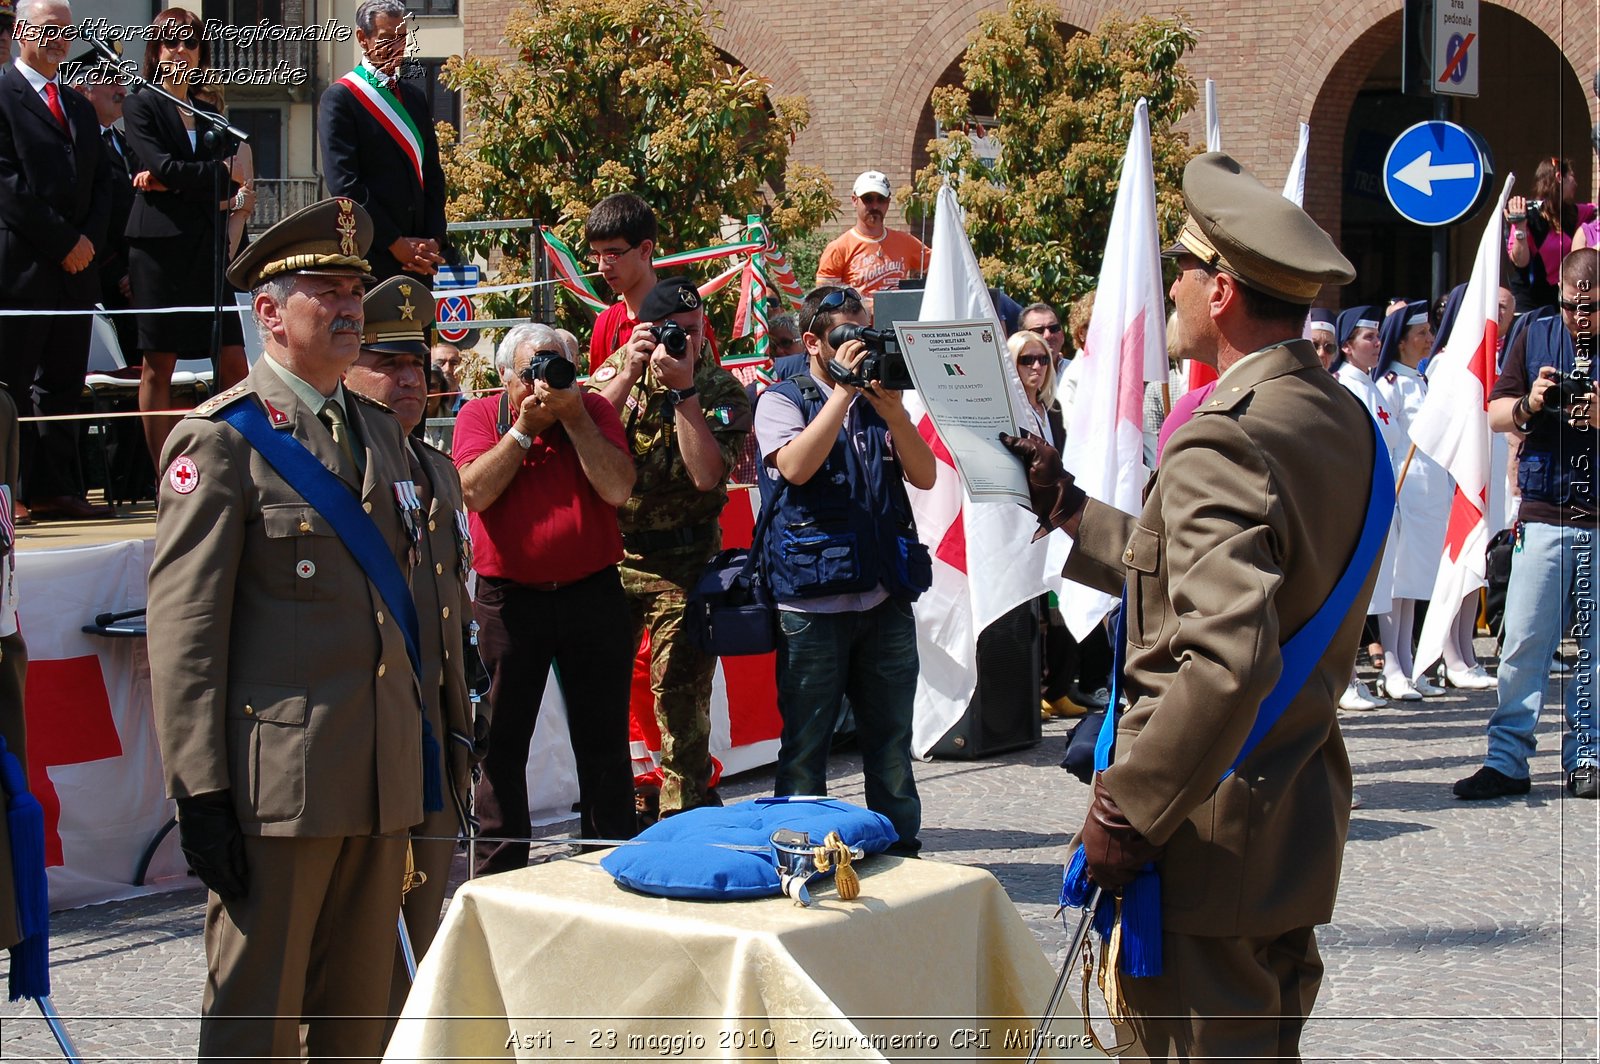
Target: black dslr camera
{"points": [[670, 335], [1572, 389], [552, 368], [884, 363]]}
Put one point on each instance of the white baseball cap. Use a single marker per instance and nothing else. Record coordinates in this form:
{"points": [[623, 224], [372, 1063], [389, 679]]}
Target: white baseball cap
{"points": [[872, 181]]}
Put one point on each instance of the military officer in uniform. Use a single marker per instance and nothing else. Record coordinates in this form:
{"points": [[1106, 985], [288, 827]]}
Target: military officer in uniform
{"points": [[686, 420], [392, 369], [286, 705], [1242, 538]]}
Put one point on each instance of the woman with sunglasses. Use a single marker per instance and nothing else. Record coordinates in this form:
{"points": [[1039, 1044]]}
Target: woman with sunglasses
{"points": [[184, 192]]}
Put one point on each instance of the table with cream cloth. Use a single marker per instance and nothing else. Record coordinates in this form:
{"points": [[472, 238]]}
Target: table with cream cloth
{"points": [[558, 962]]}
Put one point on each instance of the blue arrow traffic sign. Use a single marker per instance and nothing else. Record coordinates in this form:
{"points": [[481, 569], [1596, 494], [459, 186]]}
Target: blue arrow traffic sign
{"points": [[1434, 173]]}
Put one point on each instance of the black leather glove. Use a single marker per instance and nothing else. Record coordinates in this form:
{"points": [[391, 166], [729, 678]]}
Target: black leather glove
{"points": [[208, 833], [1114, 848], [1053, 495], [480, 739]]}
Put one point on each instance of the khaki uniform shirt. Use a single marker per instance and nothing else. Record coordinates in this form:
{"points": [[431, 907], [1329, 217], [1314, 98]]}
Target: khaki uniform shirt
{"points": [[1249, 522], [276, 671]]}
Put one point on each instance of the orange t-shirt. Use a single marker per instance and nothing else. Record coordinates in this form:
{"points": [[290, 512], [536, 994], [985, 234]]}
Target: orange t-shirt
{"points": [[872, 265]]}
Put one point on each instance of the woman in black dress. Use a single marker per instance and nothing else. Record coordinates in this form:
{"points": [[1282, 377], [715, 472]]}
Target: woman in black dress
{"points": [[184, 192]]}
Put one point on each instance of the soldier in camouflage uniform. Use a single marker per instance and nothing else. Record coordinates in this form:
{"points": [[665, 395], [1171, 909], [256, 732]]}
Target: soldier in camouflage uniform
{"points": [[686, 420]]}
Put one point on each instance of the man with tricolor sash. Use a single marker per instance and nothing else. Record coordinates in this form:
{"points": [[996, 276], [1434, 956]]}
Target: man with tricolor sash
{"points": [[1220, 808], [379, 148]]}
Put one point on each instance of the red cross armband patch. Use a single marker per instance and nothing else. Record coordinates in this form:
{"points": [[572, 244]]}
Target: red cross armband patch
{"points": [[183, 474]]}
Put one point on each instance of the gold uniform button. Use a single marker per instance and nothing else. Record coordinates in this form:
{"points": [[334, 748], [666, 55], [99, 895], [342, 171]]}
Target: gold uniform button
{"points": [[367, 506], [380, 616], [447, 655], [432, 527], [249, 710], [305, 526], [438, 568], [382, 669], [447, 612], [1127, 555]]}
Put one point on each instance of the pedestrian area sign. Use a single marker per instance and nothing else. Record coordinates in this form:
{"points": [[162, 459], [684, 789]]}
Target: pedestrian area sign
{"points": [[1435, 173]]}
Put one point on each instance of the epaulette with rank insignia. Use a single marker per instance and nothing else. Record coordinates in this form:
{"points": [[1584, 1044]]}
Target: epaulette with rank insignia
{"points": [[385, 407], [222, 399]]}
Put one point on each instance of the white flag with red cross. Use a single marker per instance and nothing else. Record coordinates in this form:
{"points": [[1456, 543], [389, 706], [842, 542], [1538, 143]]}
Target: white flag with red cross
{"points": [[1126, 346], [985, 562], [1452, 428]]}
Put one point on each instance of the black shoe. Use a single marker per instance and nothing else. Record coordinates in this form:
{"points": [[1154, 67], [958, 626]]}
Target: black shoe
{"points": [[1581, 782], [1490, 783]]}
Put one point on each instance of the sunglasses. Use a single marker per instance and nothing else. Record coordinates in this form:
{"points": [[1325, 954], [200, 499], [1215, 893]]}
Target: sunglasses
{"points": [[1045, 330], [1576, 307], [836, 299], [606, 258], [1032, 360]]}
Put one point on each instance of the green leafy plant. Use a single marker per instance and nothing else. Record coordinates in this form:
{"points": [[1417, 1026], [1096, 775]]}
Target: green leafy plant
{"points": [[608, 96], [1062, 108]]}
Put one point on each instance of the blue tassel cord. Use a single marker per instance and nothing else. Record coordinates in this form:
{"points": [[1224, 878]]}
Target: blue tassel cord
{"points": [[30, 958]]}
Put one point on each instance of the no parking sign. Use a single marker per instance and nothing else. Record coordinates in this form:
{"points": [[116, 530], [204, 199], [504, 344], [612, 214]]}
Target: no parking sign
{"points": [[454, 314]]}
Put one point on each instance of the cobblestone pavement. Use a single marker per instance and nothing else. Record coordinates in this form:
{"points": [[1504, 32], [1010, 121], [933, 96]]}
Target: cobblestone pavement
{"points": [[1463, 931]]}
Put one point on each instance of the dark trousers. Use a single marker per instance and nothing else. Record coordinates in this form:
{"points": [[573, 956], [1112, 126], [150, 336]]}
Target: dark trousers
{"points": [[583, 629], [1244, 998], [55, 350], [872, 657], [1068, 661]]}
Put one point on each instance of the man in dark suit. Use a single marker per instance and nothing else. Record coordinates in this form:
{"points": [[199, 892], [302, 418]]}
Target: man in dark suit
{"points": [[1242, 538], [105, 90], [379, 148], [55, 201]]}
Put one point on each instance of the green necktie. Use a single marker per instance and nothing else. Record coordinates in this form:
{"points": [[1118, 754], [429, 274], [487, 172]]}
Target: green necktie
{"points": [[333, 416]]}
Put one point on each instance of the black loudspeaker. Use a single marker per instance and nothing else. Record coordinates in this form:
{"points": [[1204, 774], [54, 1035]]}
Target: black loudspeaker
{"points": [[1004, 711]]}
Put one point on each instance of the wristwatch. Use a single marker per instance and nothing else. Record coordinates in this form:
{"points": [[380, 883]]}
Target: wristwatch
{"points": [[523, 439], [675, 396], [1523, 406]]}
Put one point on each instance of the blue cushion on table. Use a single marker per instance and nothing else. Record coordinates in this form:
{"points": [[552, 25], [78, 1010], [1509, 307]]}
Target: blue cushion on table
{"points": [[752, 823], [692, 870]]}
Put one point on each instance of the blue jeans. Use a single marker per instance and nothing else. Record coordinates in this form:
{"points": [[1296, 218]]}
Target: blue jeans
{"points": [[1553, 585], [872, 657]]}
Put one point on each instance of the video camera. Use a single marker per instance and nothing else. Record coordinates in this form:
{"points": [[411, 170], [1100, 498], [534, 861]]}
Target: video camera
{"points": [[670, 335], [884, 363], [1572, 389], [551, 367]]}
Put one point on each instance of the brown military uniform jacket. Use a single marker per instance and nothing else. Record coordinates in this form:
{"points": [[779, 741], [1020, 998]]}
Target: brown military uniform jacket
{"points": [[276, 671], [443, 606], [1250, 521]]}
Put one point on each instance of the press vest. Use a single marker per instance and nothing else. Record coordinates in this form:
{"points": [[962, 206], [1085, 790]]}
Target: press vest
{"points": [[1557, 465], [849, 528]]}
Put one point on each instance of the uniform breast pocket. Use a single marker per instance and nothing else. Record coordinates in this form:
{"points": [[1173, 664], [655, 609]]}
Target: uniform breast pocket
{"points": [[304, 551], [267, 748], [1147, 600]]}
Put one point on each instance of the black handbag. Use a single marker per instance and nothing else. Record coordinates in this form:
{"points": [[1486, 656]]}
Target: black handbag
{"points": [[731, 611]]}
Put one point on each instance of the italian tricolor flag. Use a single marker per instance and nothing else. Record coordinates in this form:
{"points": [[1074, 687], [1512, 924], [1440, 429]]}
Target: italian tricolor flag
{"points": [[385, 106]]}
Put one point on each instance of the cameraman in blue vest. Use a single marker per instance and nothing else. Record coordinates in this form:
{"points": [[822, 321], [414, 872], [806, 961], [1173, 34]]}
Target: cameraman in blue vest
{"points": [[842, 559], [1545, 394]]}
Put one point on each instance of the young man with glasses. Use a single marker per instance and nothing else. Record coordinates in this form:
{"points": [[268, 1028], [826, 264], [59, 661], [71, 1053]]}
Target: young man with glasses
{"points": [[1553, 566], [871, 257], [379, 148], [843, 560], [621, 233], [543, 470]]}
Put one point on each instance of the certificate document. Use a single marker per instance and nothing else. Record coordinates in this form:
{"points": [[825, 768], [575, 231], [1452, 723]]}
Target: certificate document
{"points": [[959, 368]]}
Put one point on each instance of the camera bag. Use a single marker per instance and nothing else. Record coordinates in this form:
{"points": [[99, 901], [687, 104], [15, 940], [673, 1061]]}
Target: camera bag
{"points": [[731, 611]]}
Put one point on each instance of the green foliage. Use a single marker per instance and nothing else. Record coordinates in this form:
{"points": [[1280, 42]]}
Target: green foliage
{"points": [[1038, 219], [610, 96]]}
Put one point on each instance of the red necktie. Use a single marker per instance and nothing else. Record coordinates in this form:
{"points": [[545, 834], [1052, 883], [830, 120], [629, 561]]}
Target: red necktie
{"points": [[52, 96]]}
